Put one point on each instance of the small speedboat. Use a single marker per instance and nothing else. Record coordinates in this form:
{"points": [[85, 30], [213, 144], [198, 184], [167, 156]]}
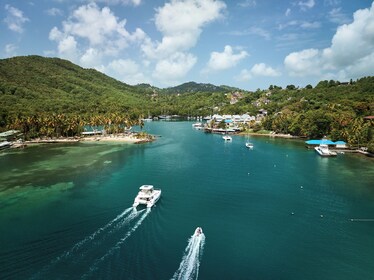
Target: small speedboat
{"points": [[147, 195], [198, 231]]}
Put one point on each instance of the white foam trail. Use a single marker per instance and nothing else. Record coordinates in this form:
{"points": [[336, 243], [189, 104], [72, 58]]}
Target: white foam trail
{"points": [[96, 233], [189, 266], [118, 245], [78, 251]]}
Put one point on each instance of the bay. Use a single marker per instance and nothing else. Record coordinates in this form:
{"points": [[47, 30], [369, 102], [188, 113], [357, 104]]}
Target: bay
{"points": [[276, 212]]}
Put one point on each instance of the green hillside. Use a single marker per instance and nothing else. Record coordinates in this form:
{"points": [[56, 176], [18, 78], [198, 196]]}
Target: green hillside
{"points": [[36, 84]]}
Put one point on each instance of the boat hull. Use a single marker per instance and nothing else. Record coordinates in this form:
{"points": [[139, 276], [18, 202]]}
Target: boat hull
{"points": [[148, 201], [325, 153]]}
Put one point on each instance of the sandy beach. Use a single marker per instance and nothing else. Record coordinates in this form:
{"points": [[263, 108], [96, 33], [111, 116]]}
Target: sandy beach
{"points": [[116, 138], [128, 138]]}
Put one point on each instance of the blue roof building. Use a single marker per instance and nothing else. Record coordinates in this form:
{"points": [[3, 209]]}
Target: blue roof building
{"points": [[313, 142]]}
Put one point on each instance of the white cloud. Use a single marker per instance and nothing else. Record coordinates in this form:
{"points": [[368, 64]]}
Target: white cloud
{"points": [[15, 19], [11, 50], [337, 16], [331, 2], [306, 62], [181, 23], [91, 58], [92, 28], [350, 55], [67, 48], [253, 31], [175, 67], [288, 12], [262, 69], [125, 70], [226, 59], [310, 25], [305, 5], [247, 3], [123, 2], [54, 12], [245, 75], [258, 70], [300, 25], [260, 32]]}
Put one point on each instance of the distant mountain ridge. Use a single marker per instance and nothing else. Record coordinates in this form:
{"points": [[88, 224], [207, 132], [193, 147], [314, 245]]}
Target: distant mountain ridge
{"points": [[191, 87]]}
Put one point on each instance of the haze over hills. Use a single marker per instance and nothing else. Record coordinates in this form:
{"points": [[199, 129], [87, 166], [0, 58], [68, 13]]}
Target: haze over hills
{"points": [[191, 87]]}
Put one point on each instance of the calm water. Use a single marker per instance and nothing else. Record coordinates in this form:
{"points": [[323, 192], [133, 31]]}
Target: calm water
{"points": [[65, 210]]}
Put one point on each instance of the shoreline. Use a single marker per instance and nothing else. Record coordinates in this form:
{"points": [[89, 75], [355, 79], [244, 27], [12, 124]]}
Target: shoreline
{"points": [[130, 139], [287, 136]]}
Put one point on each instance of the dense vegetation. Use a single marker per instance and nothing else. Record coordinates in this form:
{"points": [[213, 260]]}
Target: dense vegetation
{"points": [[52, 97]]}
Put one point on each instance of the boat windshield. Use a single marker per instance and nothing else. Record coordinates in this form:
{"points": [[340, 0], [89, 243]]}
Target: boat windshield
{"points": [[146, 188]]}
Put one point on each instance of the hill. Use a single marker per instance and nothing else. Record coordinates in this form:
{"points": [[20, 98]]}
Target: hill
{"points": [[35, 84], [192, 87]]}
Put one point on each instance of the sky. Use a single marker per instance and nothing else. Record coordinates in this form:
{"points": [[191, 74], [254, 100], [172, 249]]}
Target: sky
{"points": [[249, 44]]}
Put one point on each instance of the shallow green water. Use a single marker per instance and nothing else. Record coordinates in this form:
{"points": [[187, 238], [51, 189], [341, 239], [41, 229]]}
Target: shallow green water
{"points": [[60, 207]]}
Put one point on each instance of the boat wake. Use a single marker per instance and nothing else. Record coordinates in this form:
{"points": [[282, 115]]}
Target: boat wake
{"points": [[117, 246], [189, 266], [88, 253]]}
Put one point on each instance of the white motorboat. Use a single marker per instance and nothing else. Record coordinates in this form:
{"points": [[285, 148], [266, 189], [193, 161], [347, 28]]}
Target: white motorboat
{"points": [[5, 145], [149, 119], [147, 195], [323, 151], [198, 125], [249, 145], [198, 231], [227, 138]]}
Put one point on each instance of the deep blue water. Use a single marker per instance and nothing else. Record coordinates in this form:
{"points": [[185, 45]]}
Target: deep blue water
{"points": [[277, 212]]}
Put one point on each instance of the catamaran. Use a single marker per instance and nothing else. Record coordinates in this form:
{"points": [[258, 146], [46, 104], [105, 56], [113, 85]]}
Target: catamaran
{"points": [[147, 195]]}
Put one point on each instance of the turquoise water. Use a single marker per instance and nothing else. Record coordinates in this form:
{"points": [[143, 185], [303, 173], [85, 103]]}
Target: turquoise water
{"points": [[65, 210]]}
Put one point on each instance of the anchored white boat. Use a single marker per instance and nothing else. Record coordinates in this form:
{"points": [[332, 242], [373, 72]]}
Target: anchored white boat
{"points": [[198, 231], [147, 195], [227, 138], [5, 145], [198, 125], [249, 145], [323, 151]]}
